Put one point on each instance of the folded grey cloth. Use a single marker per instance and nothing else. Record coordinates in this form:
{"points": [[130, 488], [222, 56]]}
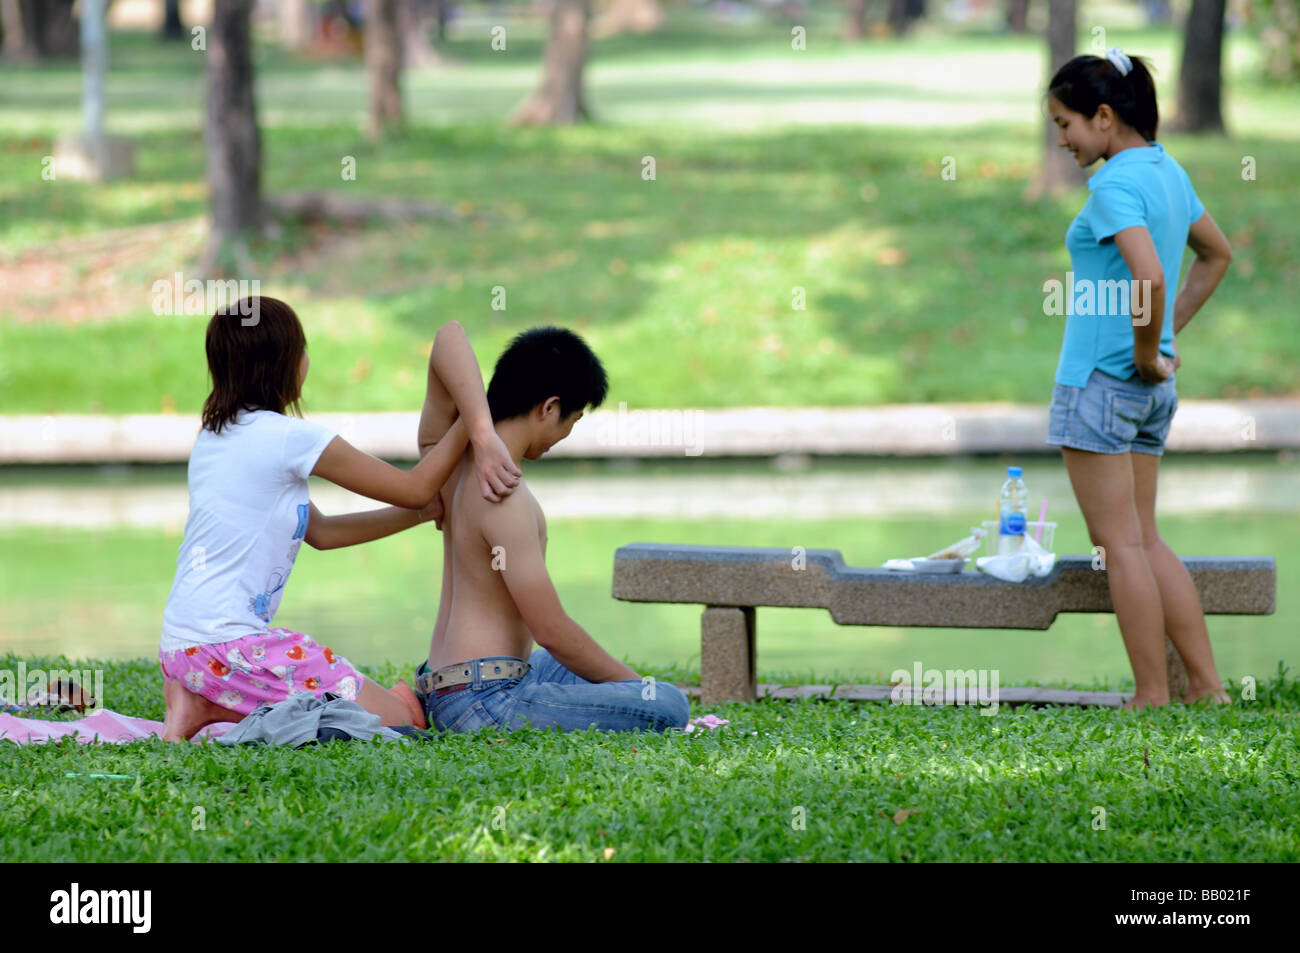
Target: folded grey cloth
{"points": [[298, 720]]}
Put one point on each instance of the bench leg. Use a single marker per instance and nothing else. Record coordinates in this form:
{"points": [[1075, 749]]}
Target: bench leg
{"points": [[727, 655], [1177, 673]]}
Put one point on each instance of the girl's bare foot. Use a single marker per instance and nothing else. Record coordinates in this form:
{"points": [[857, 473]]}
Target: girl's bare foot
{"points": [[412, 703], [188, 714]]}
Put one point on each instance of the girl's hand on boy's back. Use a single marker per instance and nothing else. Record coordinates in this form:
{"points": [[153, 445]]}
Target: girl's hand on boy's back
{"points": [[498, 474], [434, 511]]}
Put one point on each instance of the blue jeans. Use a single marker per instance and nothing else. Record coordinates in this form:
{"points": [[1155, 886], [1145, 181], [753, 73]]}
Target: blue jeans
{"points": [[550, 696], [1108, 415]]}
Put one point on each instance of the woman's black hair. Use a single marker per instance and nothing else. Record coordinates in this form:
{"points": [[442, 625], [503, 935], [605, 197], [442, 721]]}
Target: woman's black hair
{"points": [[253, 364], [1086, 82], [541, 363]]}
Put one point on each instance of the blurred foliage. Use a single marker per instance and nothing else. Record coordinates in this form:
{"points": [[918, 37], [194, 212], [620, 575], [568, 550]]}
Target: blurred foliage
{"points": [[768, 180], [1278, 25]]}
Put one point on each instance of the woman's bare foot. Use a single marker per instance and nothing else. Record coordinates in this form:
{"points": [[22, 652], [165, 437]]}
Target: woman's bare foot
{"points": [[188, 714], [1138, 702], [1209, 694]]}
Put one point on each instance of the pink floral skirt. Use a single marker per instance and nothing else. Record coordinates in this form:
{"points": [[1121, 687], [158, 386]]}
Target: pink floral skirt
{"points": [[257, 669]]}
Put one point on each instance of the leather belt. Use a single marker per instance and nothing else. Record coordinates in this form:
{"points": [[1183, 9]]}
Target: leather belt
{"points": [[461, 675]]}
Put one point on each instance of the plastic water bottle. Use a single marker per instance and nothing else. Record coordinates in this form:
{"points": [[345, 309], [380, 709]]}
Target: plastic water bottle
{"points": [[1014, 512]]}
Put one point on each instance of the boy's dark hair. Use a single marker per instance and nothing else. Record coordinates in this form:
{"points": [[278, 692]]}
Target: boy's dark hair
{"points": [[253, 361], [541, 363], [1086, 82]]}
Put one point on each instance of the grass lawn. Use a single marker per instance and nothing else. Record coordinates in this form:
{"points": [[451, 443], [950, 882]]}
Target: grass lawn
{"points": [[775, 171], [1022, 785]]}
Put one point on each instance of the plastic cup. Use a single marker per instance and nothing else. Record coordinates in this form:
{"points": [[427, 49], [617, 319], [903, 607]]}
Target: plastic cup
{"points": [[991, 538]]}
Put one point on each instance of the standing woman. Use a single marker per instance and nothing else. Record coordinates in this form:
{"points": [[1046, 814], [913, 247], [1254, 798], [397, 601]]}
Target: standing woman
{"points": [[1114, 397]]}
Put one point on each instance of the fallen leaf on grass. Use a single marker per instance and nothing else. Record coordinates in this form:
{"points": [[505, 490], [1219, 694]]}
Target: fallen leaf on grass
{"points": [[712, 722], [903, 814]]}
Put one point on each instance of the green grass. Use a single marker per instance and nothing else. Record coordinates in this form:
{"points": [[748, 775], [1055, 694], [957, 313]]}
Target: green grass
{"points": [[1023, 785], [917, 289]]}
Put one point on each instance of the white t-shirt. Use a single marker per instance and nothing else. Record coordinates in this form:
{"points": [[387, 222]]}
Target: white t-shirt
{"points": [[249, 508]]}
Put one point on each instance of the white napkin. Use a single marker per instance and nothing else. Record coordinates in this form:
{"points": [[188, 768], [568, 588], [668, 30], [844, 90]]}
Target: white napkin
{"points": [[905, 564], [1029, 559]]}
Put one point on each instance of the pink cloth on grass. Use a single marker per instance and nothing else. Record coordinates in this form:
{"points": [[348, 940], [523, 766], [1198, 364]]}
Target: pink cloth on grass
{"points": [[103, 726]]}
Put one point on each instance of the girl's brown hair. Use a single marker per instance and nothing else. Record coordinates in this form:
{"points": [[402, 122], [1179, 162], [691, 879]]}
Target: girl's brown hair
{"points": [[254, 350]]}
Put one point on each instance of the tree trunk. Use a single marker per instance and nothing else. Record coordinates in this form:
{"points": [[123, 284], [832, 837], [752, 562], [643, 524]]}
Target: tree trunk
{"points": [[855, 20], [897, 17], [49, 27], [1200, 80], [60, 31], [441, 6], [234, 141], [20, 40], [1059, 172], [412, 15], [384, 65], [559, 98], [1018, 16], [172, 28], [297, 25], [903, 13]]}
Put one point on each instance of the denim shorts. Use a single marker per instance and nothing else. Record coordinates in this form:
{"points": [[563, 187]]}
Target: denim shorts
{"points": [[1109, 415], [551, 696]]}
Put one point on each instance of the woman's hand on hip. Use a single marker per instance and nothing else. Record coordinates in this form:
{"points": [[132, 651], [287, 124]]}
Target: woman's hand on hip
{"points": [[1154, 370]]}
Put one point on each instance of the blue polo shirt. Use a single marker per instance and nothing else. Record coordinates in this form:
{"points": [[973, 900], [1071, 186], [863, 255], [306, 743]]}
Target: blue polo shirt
{"points": [[1142, 186]]}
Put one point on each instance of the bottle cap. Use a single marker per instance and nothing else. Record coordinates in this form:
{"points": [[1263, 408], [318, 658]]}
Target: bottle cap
{"points": [[1014, 471]]}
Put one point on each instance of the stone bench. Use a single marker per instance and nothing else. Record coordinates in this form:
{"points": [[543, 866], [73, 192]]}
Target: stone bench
{"points": [[731, 582]]}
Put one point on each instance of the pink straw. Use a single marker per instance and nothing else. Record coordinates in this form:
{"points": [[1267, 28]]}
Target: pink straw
{"points": [[1042, 515]]}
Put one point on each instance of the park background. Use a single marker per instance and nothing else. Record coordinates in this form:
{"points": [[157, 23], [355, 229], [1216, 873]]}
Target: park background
{"points": [[795, 146], [898, 177]]}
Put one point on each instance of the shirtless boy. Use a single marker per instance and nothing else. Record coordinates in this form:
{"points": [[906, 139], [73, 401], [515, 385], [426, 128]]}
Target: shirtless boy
{"points": [[497, 597]]}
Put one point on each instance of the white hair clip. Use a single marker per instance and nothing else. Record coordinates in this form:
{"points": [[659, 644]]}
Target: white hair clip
{"points": [[1119, 60]]}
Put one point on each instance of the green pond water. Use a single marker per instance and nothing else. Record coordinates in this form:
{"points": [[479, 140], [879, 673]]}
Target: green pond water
{"points": [[94, 586]]}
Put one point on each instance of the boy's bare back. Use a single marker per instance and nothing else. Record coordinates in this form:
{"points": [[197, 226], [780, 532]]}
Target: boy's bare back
{"points": [[478, 616]]}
